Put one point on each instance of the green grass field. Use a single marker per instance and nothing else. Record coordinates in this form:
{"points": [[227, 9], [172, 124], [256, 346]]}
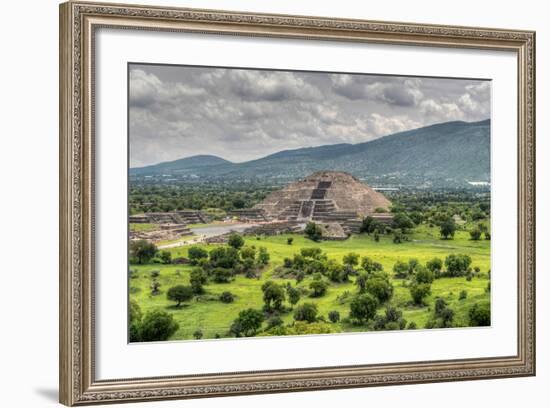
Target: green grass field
{"points": [[143, 227], [213, 317]]}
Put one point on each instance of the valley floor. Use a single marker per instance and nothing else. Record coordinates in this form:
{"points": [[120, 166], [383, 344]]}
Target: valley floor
{"points": [[207, 314]]}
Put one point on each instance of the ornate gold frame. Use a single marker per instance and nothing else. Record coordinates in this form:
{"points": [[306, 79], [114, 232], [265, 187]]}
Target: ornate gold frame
{"points": [[78, 22]]}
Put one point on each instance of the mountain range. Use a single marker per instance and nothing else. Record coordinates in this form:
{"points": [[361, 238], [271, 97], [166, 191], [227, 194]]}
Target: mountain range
{"points": [[450, 154]]}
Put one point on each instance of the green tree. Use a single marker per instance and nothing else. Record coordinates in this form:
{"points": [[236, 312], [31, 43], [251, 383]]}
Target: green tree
{"points": [[196, 253], [313, 231], [351, 259], [475, 234], [197, 278], [380, 288], [143, 251], [247, 323], [227, 297], [274, 295], [361, 282], [235, 241], [480, 314], [402, 221], [318, 287], [166, 257], [289, 240], [401, 269], [337, 272], [311, 252], [221, 275], [306, 312], [135, 321], [371, 266], [457, 264], [363, 307], [419, 291], [248, 253], [224, 257], [157, 325], [263, 256], [423, 275], [435, 265], [293, 295], [179, 294], [447, 228], [334, 316], [366, 225]]}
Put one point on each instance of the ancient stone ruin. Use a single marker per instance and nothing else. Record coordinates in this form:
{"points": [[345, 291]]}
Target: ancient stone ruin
{"points": [[176, 217], [327, 197]]}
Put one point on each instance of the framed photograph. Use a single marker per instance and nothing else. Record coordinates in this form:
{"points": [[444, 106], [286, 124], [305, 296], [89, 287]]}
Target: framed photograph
{"points": [[256, 203]]}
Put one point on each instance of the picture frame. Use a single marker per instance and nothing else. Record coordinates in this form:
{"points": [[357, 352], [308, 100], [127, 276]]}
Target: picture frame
{"points": [[79, 23]]}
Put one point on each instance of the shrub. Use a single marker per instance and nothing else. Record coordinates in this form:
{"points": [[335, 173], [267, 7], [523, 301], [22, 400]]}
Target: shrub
{"points": [[224, 257], [166, 257], [371, 266], [306, 312], [197, 278], [195, 254], [401, 269], [221, 275], [313, 231], [157, 325], [475, 234], [392, 320], [423, 275], [336, 272], [318, 287], [361, 282], [351, 259], [289, 240], [463, 295], [313, 252], [235, 241], [334, 316], [443, 315], [179, 294], [248, 253], [198, 334], [287, 263], [435, 265], [274, 295], [402, 221], [419, 291], [363, 307], [263, 256], [227, 297], [380, 288], [480, 314], [155, 274], [457, 264], [411, 326], [274, 321], [247, 323], [293, 295], [155, 287]]}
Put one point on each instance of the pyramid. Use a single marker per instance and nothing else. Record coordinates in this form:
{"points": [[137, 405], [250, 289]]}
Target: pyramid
{"points": [[324, 196]]}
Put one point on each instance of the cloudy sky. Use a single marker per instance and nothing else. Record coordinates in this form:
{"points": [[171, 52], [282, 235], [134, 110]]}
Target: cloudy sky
{"points": [[244, 114]]}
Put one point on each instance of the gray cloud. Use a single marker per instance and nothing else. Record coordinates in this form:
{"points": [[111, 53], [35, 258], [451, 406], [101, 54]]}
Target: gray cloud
{"points": [[178, 111]]}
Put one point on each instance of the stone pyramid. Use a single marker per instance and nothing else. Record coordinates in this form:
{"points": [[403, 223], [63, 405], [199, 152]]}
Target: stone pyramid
{"points": [[324, 196]]}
